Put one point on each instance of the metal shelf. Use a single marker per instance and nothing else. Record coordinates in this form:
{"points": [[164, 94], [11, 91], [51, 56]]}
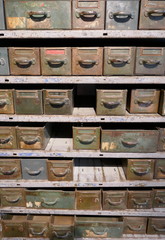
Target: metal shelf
{"points": [[82, 79], [56, 34], [125, 237]]}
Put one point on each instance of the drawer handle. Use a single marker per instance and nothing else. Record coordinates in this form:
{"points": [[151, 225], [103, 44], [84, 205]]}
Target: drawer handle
{"points": [[13, 200], [144, 103], [118, 61], [110, 105], [155, 13], [38, 16], [5, 140], [38, 233], [34, 173], [29, 140], [88, 14], [160, 200], [162, 170], [87, 63], [158, 229], [114, 203], [121, 15], [60, 174], [85, 139], [129, 144], [24, 62], [3, 103], [66, 235], [56, 62], [57, 103], [99, 233], [11, 172], [139, 228], [2, 62], [149, 62], [50, 203], [140, 173], [140, 203]]}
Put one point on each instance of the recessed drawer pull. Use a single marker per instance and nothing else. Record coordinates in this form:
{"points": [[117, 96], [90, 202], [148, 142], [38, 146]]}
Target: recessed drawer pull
{"points": [[140, 173], [162, 170], [66, 235], [155, 13], [85, 139], [114, 203], [23, 62], [88, 14], [144, 103], [34, 173], [149, 62], [87, 63], [118, 61], [99, 233], [5, 140], [38, 16], [60, 174], [128, 144], [110, 105], [50, 203], [57, 103], [30, 140], [37, 233], [12, 200], [11, 172], [121, 15], [56, 62], [158, 229], [160, 200], [3, 103], [140, 203], [134, 228]]}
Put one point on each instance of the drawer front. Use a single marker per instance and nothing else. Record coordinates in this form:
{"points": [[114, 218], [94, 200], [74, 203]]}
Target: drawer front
{"points": [[28, 101], [86, 138], [111, 102], [12, 197], [119, 61], [62, 232], [38, 14], [8, 138], [114, 200], [87, 61], [159, 169], [88, 200], [129, 141], [4, 59], [161, 141], [151, 14], [58, 102], [38, 230], [135, 225], [14, 229], [50, 199], [60, 170], [24, 61], [56, 61], [149, 61], [2, 17], [10, 169], [138, 169], [162, 103], [122, 15], [34, 168], [156, 226], [140, 200], [6, 102], [159, 198], [88, 15]]}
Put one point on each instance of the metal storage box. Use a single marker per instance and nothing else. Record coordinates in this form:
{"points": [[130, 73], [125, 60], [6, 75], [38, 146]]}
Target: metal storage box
{"points": [[140, 199], [12, 197], [122, 14], [156, 226], [119, 60], [129, 141], [139, 169], [60, 170], [59, 101], [4, 60], [38, 14], [111, 102], [2, 17], [144, 101], [86, 138], [87, 61], [8, 138], [6, 101], [159, 169], [56, 61], [10, 169], [88, 200], [162, 103], [88, 14], [152, 14], [62, 227], [24, 61], [114, 200], [33, 137], [159, 198], [34, 169], [135, 225], [150, 61], [98, 227], [161, 140], [55, 199], [28, 102]]}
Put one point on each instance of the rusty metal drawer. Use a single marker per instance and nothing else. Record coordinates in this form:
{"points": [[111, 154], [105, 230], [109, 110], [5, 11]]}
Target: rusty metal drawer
{"points": [[8, 138], [150, 61], [159, 198], [162, 103], [60, 170], [159, 169], [4, 59], [111, 102], [88, 14], [56, 61], [28, 102], [59, 101], [129, 140], [55, 199], [86, 138], [87, 61], [139, 169], [34, 168], [24, 61], [12, 197], [10, 169], [140, 199], [152, 14], [135, 225], [88, 200], [6, 101], [114, 200], [161, 141], [156, 226]]}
